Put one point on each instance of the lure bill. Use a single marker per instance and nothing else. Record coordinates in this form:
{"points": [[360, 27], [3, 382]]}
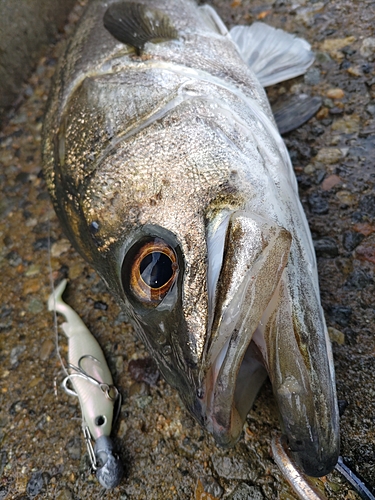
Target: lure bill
{"points": [[169, 176], [92, 383]]}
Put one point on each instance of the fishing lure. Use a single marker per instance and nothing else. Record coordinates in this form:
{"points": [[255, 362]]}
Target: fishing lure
{"points": [[92, 383]]}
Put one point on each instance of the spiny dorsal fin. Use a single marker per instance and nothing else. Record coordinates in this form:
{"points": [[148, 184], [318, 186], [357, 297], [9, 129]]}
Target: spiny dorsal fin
{"points": [[136, 24]]}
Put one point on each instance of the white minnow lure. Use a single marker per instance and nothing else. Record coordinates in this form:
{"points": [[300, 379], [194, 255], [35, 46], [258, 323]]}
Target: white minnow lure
{"points": [[92, 382]]}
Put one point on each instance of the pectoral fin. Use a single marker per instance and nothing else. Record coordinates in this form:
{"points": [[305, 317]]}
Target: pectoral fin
{"points": [[292, 112], [272, 54]]}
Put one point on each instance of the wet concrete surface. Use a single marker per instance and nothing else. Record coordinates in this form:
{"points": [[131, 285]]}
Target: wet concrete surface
{"points": [[167, 455]]}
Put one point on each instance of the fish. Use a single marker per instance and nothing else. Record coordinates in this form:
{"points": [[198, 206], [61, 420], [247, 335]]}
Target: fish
{"points": [[169, 176]]}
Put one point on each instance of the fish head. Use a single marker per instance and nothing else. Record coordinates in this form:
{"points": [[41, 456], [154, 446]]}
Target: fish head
{"points": [[220, 293]]}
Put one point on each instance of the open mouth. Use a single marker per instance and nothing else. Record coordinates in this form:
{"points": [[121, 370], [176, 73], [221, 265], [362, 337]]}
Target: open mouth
{"points": [[254, 255], [266, 319]]}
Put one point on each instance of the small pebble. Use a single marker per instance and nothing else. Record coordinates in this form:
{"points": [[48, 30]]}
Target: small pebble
{"points": [[35, 484], [340, 314], [212, 487], [354, 71], [246, 492], [60, 247], [347, 125], [233, 468], [122, 429], [144, 370], [46, 349], [32, 286], [336, 335], [32, 270], [364, 228], [201, 494], [64, 494], [367, 49], [367, 204], [13, 258], [330, 182], [335, 93], [326, 247], [312, 77], [322, 113], [351, 240], [15, 353], [309, 169], [100, 305], [358, 280], [333, 45], [366, 250], [346, 197], [318, 204], [73, 448], [36, 306], [329, 155]]}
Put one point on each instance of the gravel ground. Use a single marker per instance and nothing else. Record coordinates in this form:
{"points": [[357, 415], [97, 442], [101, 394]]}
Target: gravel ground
{"points": [[167, 455]]}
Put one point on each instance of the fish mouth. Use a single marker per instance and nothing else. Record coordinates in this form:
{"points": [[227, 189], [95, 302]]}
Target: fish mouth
{"points": [[232, 383], [234, 380], [268, 322]]}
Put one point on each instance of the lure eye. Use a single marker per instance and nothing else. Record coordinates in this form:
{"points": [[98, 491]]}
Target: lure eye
{"points": [[150, 271]]}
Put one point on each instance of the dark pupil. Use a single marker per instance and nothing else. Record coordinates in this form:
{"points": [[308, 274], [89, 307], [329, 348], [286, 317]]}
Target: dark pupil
{"points": [[156, 269]]}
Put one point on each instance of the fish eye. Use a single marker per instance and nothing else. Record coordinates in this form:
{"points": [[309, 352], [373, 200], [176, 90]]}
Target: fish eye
{"points": [[149, 270]]}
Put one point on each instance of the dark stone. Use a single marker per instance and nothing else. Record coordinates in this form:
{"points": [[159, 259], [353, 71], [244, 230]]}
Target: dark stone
{"points": [[16, 407], [367, 204], [35, 484], [326, 247], [3, 492], [340, 314], [74, 448], [342, 404], [336, 111], [102, 306], [13, 258], [351, 240], [317, 130], [144, 370], [43, 243], [359, 279], [211, 486], [357, 217], [318, 204]]}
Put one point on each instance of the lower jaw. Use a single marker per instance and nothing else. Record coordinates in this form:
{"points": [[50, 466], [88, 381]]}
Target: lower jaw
{"points": [[224, 419]]}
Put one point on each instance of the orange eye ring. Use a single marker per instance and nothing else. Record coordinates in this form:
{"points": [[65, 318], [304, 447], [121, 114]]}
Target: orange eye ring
{"points": [[155, 264]]}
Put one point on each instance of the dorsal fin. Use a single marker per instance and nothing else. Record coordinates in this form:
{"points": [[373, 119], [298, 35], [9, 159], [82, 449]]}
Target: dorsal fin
{"points": [[136, 24]]}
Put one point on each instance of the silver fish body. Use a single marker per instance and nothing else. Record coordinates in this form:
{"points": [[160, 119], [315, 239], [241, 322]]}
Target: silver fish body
{"points": [[169, 176]]}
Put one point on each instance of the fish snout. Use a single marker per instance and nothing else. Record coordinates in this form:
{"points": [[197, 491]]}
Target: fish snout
{"points": [[314, 457]]}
